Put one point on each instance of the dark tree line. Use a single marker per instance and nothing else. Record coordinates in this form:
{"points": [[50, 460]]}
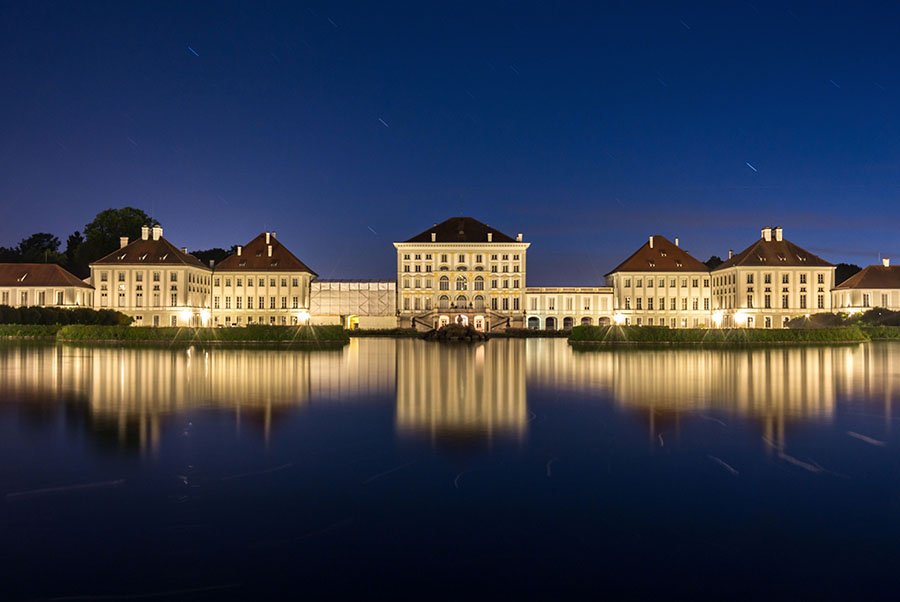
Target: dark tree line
{"points": [[99, 238]]}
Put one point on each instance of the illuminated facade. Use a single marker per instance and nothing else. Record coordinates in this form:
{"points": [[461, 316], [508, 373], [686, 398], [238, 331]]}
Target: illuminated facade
{"points": [[154, 282], [561, 308], [461, 271], [42, 285], [262, 282], [874, 286], [770, 282], [661, 284]]}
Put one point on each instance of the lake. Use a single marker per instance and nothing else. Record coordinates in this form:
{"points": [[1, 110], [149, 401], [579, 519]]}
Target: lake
{"points": [[399, 468]]}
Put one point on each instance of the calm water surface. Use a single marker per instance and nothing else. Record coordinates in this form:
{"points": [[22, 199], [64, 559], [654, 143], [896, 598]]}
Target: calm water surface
{"points": [[407, 469]]}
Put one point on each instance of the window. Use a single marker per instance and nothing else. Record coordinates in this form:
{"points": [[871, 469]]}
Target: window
{"points": [[173, 299], [820, 302], [684, 304], [237, 302], [784, 302], [461, 283], [271, 302], [240, 282], [767, 301], [121, 276], [767, 278], [227, 302], [515, 304], [749, 278], [173, 276], [479, 283], [444, 283], [262, 302], [284, 303], [706, 304], [638, 301], [785, 279], [249, 302], [627, 303], [672, 305], [295, 303], [802, 301], [820, 278], [649, 303], [695, 304]]}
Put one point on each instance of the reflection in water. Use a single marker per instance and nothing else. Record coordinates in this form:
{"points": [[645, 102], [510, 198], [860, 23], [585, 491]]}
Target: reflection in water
{"points": [[772, 385], [452, 391], [458, 390]]}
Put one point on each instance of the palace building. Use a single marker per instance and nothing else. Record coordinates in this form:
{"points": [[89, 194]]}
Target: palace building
{"points": [[770, 282], [561, 308], [874, 286], [154, 282], [262, 282], [43, 285], [661, 284], [461, 271]]}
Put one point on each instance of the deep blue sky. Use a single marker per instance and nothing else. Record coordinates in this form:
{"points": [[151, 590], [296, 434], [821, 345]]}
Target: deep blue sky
{"points": [[584, 127]]}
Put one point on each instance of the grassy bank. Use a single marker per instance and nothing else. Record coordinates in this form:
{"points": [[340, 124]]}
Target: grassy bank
{"points": [[882, 333], [655, 335], [394, 333], [251, 335], [528, 333], [28, 331]]}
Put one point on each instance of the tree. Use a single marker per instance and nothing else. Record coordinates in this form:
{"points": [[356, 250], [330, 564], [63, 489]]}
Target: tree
{"points": [[74, 241], [844, 270], [216, 254], [9, 255], [713, 262], [101, 235], [42, 247]]}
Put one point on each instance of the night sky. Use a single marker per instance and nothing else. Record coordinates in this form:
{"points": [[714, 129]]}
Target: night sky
{"points": [[347, 126]]}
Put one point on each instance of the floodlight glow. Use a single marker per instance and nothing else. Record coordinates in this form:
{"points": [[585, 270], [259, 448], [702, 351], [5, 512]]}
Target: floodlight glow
{"points": [[717, 318], [204, 316], [619, 319], [186, 315], [303, 316], [740, 318]]}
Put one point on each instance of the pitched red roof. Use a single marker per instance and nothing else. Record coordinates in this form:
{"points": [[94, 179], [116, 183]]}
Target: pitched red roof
{"points": [[461, 229], [37, 274], [150, 252], [873, 276], [774, 253], [663, 256], [255, 257]]}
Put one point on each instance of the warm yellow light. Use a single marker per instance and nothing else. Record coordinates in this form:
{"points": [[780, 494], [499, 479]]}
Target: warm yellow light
{"points": [[740, 318], [186, 315], [618, 319], [303, 316], [204, 316], [717, 318]]}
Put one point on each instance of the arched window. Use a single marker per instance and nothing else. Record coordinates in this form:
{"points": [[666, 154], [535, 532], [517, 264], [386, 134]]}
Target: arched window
{"points": [[461, 283], [479, 302], [534, 323], [445, 283], [551, 324], [462, 302], [444, 302], [479, 283]]}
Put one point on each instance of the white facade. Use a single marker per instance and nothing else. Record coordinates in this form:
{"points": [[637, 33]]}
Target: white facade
{"points": [[42, 285], [561, 308], [363, 304], [875, 286]]}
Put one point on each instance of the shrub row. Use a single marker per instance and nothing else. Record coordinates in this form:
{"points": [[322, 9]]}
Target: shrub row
{"points": [[735, 336], [385, 332], [28, 331], [248, 334], [882, 332], [59, 315]]}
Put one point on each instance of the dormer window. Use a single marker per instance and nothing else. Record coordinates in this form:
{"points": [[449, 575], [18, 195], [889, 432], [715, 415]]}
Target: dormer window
{"points": [[662, 252], [122, 256], [163, 256], [144, 256], [275, 263], [652, 263], [678, 264], [259, 253], [242, 263], [22, 277], [781, 257]]}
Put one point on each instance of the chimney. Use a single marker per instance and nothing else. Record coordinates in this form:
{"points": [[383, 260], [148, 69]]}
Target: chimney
{"points": [[123, 242], [157, 232], [184, 250], [676, 241], [519, 237], [270, 250], [730, 253], [886, 262], [651, 242], [273, 234], [145, 232], [433, 236], [212, 263], [490, 237], [766, 234], [268, 238], [239, 250], [778, 236]]}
